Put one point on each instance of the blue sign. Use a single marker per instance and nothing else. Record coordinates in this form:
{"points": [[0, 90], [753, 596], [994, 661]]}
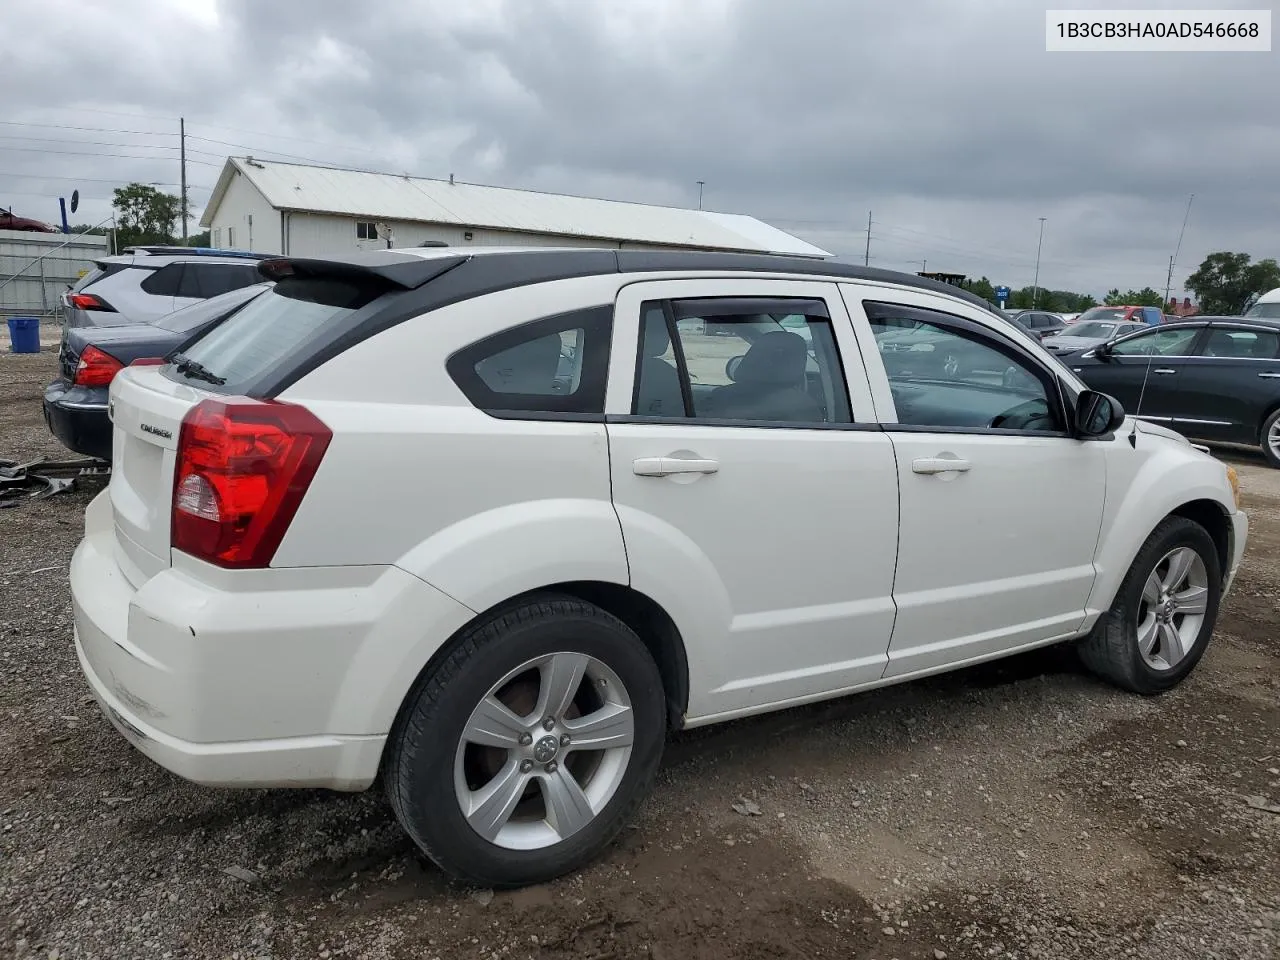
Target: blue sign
{"points": [[1002, 294]]}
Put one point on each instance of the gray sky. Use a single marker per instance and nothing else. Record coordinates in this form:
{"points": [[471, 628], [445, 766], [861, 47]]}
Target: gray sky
{"points": [[946, 118]]}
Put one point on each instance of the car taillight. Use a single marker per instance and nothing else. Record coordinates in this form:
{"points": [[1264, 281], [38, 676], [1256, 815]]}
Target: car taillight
{"points": [[243, 467], [96, 368], [88, 301]]}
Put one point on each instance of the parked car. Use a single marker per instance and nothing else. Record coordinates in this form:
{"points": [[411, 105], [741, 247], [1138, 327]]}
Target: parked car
{"points": [[1041, 323], [146, 283], [11, 221], [356, 532], [1090, 333], [75, 403], [1149, 315], [1266, 307], [1211, 378]]}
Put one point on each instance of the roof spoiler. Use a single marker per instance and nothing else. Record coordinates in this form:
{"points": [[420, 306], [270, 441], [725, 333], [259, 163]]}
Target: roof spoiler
{"points": [[165, 251], [398, 270]]}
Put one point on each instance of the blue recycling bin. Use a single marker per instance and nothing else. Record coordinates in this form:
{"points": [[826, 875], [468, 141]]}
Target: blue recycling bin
{"points": [[24, 334]]}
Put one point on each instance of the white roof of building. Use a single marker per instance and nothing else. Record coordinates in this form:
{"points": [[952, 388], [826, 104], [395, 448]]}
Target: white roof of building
{"points": [[386, 196]]}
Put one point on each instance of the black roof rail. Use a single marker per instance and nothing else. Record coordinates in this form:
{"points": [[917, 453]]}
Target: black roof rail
{"points": [[176, 250]]}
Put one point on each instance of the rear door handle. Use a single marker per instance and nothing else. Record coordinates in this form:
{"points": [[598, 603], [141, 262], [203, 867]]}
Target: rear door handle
{"points": [[666, 466], [1164, 370], [1269, 376], [929, 465]]}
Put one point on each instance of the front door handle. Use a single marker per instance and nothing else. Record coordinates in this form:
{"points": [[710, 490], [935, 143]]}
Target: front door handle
{"points": [[667, 466], [1164, 370], [930, 465], [1269, 376]]}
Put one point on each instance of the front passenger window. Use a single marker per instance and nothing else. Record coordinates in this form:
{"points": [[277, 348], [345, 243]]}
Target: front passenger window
{"points": [[1159, 342], [946, 374]]}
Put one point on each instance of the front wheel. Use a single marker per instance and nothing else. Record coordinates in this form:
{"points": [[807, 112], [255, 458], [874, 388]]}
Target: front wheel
{"points": [[1164, 613], [526, 750]]}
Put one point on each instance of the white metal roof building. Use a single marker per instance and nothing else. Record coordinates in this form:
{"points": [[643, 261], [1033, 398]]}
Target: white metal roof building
{"points": [[302, 210]]}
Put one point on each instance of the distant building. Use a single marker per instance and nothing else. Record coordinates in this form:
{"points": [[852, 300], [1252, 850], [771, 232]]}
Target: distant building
{"points": [[302, 210]]}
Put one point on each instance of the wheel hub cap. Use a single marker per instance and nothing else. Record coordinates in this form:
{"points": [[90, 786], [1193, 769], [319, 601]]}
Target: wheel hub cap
{"points": [[546, 749]]}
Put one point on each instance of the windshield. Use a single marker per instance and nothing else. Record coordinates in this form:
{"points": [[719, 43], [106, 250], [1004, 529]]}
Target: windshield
{"points": [[190, 317], [277, 323], [1100, 313], [1093, 329], [1268, 310]]}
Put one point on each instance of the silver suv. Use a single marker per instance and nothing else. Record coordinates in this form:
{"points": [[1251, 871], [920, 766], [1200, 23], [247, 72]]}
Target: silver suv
{"points": [[145, 283]]}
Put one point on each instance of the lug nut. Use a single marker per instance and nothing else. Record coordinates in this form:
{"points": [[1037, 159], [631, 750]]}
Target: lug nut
{"points": [[564, 740], [549, 723], [552, 767], [526, 739], [526, 766]]}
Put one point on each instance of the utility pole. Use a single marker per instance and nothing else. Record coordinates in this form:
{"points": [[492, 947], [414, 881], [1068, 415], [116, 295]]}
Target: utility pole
{"points": [[1035, 289], [701, 183], [182, 152], [1168, 285], [866, 260]]}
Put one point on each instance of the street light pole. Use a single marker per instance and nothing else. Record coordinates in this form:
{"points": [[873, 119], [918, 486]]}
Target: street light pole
{"points": [[1035, 289]]}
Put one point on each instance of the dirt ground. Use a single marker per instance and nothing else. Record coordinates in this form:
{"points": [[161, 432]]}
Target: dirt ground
{"points": [[1017, 810]]}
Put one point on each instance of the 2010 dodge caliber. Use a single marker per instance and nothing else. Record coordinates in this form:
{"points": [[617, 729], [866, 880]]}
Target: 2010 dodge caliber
{"points": [[491, 524]]}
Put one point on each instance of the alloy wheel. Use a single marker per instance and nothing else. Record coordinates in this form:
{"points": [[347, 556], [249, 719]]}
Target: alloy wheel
{"points": [[544, 751], [1171, 613]]}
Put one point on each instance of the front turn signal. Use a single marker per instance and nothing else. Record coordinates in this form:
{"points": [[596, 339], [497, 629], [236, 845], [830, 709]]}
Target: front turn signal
{"points": [[1233, 478]]}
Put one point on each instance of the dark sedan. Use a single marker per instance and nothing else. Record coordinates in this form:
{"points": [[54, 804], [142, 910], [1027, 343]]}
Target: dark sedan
{"points": [[75, 404], [1212, 378]]}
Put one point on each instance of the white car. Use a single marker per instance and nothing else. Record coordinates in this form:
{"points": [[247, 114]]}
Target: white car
{"points": [[382, 521]]}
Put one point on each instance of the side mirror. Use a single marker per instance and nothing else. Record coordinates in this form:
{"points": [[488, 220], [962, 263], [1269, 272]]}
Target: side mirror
{"points": [[1097, 414], [1103, 350], [731, 367]]}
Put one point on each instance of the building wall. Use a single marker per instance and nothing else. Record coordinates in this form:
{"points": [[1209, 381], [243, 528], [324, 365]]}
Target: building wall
{"points": [[244, 220], [315, 235], [44, 268]]}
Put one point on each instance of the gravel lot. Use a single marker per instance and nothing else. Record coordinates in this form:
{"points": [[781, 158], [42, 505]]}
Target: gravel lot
{"points": [[1016, 810]]}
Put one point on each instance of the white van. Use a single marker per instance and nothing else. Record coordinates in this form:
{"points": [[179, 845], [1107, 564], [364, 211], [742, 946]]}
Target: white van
{"points": [[1267, 305]]}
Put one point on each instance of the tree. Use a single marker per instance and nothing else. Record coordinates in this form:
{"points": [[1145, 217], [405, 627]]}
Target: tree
{"points": [[984, 289], [1225, 282], [199, 239], [145, 215], [1146, 297], [78, 228]]}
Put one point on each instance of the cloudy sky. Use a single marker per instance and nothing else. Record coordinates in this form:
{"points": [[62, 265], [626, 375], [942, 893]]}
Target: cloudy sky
{"points": [[945, 118]]}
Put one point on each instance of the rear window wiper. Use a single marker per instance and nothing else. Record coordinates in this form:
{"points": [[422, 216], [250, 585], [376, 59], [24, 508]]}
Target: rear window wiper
{"points": [[194, 369]]}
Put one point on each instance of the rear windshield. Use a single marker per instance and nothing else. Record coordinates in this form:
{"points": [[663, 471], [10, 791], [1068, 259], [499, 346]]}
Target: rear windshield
{"points": [[99, 271], [1269, 310], [1102, 313], [190, 317], [268, 329]]}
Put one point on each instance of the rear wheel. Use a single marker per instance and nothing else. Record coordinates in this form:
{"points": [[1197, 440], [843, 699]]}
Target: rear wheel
{"points": [[1271, 438], [522, 755], [1164, 613]]}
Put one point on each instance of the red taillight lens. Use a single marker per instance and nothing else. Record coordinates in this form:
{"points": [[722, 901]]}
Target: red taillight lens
{"points": [[96, 368], [243, 467], [87, 301]]}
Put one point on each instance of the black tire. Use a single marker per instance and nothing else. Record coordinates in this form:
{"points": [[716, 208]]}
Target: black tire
{"points": [[423, 744], [1111, 649], [1273, 457]]}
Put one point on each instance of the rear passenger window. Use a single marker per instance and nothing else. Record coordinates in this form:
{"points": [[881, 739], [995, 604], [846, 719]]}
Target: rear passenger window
{"points": [[556, 365], [164, 282], [748, 359]]}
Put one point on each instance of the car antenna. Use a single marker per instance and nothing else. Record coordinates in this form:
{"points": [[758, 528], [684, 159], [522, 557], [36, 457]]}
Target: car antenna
{"points": [[1133, 431]]}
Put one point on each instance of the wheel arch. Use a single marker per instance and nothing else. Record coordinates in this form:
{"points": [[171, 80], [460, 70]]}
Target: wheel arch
{"points": [[1260, 436], [650, 622]]}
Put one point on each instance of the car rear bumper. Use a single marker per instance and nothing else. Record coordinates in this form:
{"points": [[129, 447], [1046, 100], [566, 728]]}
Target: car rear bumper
{"points": [[77, 416], [282, 678]]}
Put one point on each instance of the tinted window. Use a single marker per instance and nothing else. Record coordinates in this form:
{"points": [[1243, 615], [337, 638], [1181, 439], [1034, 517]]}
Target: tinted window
{"points": [[272, 327], [1249, 344], [1165, 342], [762, 360], [164, 282], [190, 317], [947, 373], [202, 280], [558, 364]]}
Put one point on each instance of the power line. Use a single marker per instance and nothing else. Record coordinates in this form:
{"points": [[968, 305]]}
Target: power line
{"points": [[125, 156], [67, 126]]}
